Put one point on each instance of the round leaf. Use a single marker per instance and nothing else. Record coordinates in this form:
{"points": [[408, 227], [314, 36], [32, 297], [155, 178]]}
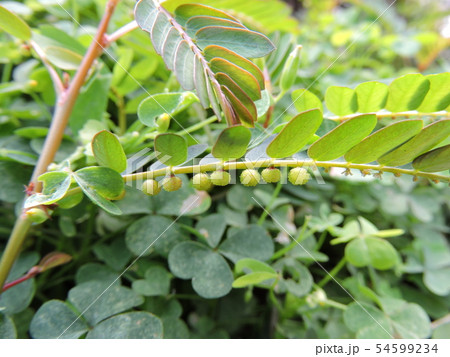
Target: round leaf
{"points": [[305, 100], [108, 151], [372, 96], [232, 143], [53, 318], [371, 251], [132, 325], [171, 149], [210, 273], [158, 104]]}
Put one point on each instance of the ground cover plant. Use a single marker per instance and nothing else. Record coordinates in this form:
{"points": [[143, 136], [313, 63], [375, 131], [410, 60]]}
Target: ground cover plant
{"points": [[224, 169]]}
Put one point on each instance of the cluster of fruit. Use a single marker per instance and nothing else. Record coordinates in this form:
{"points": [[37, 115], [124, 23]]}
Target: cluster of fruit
{"points": [[204, 182]]}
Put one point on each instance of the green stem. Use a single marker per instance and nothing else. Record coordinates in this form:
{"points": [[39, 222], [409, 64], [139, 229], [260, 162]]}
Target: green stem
{"points": [[270, 204], [413, 113], [321, 240], [284, 163], [332, 273], [13, 246], [335, 304], [197, 126], [64, 106]]}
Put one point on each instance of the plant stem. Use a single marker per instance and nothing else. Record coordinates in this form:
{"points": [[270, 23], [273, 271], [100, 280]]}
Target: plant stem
{"points": [[64, 106], [413, 113], [332, 273], [124, 30], [270, 204], [13, 248], [284, 163]]}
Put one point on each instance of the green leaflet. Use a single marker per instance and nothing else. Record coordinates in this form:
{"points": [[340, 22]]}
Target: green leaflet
{"points": [[108, 151], [438, 97], [380, 142], [55, 183], [434, 161], [429, 137], [14, 25], [157, 104], [244, 42], [184, 12], [227, 81], [243, 79], [100, 184], [305, 100], [222, 52], [407, 92], [372, 251], [232, 143], [295, 134], [372, 96], [196, 23], [341, 100], [171, 149], [63, 58], [342, 138]]}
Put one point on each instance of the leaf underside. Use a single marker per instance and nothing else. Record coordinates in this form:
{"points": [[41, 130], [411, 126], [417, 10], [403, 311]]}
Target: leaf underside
{"points": [[208, 51]]}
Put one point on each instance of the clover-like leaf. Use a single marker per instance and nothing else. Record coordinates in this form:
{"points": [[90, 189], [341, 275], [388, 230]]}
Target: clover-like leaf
{"points": [[132, 325], [372, 251], [211, 276]]}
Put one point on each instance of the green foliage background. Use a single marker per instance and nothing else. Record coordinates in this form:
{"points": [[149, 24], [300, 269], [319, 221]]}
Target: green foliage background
{"points": [[223, 267]]}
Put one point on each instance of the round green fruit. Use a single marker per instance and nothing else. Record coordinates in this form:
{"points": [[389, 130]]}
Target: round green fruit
{"points": [[151, 187], [250, 177], [36, 215], [220, 178], [201, 182], [172, 183], [271, 175], [299, 176]]}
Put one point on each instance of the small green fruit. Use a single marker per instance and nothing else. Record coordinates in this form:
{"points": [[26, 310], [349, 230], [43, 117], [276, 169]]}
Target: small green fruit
{"points": [[220, 178], [271, 175], [298, 176], [151, 187], [250, 177], [163, 122], [172, 183], [201, 182], [36, 215]]}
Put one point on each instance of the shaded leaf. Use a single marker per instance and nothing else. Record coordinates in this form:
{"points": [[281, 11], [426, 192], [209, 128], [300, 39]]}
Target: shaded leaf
{"points": [[428, 138], [211, 276], [438, 97], [383, 140], [434, 161], [132, 325], [212, 228], [52, 320]]}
